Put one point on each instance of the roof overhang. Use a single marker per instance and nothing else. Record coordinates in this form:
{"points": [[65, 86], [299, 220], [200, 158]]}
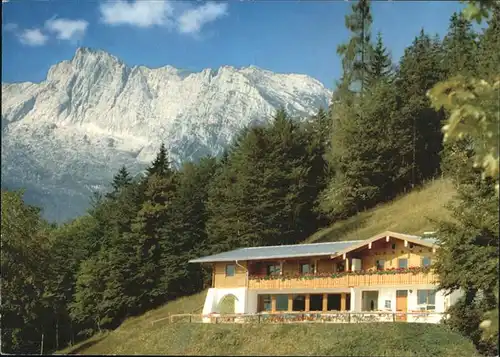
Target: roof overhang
{"points": [[387, 235], [216, 260]]}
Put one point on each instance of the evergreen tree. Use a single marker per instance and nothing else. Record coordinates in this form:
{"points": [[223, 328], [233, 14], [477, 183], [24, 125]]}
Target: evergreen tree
{"points": [[161, 164], [460, 47], [380, 64], [184, 235], [488, 58], [356, 53], [468, 257], [368, 169], [263, 195], [420, 68], [121, 179]]}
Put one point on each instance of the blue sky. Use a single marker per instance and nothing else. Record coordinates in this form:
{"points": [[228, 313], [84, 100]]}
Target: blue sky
{"points": [[282, 36]]}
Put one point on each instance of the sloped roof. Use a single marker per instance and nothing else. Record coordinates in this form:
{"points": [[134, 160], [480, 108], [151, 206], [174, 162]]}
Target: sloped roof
{"points": [[304, 250], [278, 251]]}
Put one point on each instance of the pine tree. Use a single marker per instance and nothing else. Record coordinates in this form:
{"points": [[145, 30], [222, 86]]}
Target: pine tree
{"points": [[121, 179], [161, 164], [488, 58], [184, 235], [460, 47], [380, 64], [263, 194], [468, 257], [356, 53], [420, 69]]}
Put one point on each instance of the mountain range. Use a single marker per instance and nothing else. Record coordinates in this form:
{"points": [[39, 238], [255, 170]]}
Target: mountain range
{"points": [[65, 137]]}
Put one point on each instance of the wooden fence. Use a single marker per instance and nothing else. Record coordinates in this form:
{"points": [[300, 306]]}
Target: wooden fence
{"points": [[313, 317]]}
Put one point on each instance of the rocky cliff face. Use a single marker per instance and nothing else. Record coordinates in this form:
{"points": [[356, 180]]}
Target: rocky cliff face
{"points": [[68, 135]]}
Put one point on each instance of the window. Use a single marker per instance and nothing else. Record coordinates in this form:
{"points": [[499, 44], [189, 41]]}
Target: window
{"points": [[230, 269], [426, 261], [273, 269], [281, 302], [340, 267], [387, 304], [299, 303], [315, 302], [333, 302], [265, 303], [403, 263], [393, 246], [380, 264], [426, 299], [305, 268]]}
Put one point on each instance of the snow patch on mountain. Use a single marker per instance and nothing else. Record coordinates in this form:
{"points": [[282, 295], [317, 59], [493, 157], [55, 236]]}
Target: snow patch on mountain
{"points": [[68, 135]]}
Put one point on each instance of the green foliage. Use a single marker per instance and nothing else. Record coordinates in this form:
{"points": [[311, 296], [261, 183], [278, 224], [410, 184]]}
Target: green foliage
{"points": [[121, 179], [26, 267], [473, 106], [369, 151], [265, 193], [161, 164], [477, 10], [465, 317], [420, 68], [469, 254], [472, 103], [380, 64], [355, 54]]}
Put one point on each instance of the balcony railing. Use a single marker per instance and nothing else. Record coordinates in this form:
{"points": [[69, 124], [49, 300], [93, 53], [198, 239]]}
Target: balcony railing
{"points": [[313, 317], [390, 277]]}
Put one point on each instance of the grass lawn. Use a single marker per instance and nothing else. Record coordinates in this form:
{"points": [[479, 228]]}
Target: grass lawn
{"points": [[383, 339]]}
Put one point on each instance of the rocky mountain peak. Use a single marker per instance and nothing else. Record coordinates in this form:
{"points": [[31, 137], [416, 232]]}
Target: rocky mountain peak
{"points": [[68, 135]]}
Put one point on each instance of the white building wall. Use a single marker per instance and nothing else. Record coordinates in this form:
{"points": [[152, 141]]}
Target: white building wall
{"points": [[247, 300], [252, 302], [215, 296], [355, 299]]}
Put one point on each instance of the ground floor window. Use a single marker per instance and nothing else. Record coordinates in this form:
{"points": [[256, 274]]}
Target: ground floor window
{"points": [[333, 302], [265, 303], [281, 302], [369, 300], [299, 303], [348, 302], [316, 302], [426, 299]]}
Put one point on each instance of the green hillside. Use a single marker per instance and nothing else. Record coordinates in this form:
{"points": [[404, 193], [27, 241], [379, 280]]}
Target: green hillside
{"points": [[408, 214], [411, 213], [398, 339]]}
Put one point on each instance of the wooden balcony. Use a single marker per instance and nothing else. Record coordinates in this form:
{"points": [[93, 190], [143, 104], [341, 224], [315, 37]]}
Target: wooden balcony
{"points": [[345, 281]]}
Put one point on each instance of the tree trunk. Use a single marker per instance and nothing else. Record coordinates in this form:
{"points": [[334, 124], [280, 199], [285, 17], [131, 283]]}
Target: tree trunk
{"points": [[41, 347], [57, 333]]}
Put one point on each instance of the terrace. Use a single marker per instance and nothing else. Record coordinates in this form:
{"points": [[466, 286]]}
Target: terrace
{"points": [[388, 277]]}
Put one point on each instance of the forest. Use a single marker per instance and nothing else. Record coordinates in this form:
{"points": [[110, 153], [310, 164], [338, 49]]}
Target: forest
{"points": [[276, 184]]}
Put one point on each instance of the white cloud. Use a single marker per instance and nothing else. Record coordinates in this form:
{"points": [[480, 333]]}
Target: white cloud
{"points": [[191, 21], [10, 27], [65, 29], [139, 13], [33, 37]]}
